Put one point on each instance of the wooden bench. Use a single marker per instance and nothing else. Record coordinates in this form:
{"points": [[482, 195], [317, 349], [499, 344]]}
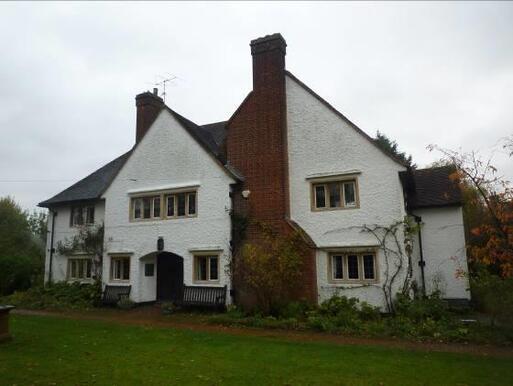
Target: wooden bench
{"points": [[112, 294], [203, 296]]}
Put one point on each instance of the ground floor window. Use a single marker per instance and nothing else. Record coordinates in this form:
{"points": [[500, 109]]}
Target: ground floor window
{"points": [[206, 268], [79, 269], [350, 267], [120, 268]]}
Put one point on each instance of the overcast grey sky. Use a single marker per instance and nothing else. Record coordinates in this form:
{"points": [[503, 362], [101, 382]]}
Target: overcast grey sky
{"points": [[421, 73]]}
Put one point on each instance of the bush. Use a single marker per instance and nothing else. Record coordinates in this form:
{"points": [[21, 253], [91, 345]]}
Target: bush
{"points": [[58, 295], [422, 308], [125, 303], [297, 310], [493, 295]]}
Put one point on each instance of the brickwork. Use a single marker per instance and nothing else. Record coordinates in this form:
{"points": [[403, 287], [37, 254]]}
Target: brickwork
{"points": [[256, 145]]}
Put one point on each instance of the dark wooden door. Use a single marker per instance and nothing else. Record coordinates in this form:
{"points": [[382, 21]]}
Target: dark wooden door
{"points": [[169, 277]]}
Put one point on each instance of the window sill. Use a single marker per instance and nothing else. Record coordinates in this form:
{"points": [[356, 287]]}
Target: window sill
{"points": [[204, 282], [115, 281], [335, 209], [81, 281], [352, 282]]}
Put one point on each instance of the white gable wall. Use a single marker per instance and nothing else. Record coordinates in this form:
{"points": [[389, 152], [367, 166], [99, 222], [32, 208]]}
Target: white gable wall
{"points": [[166, 155], [63, 231], [443, 245], [320, 141]]}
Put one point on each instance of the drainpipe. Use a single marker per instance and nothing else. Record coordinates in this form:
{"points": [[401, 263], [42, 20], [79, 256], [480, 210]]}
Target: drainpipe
{"points": [[422, 263], [52, 249]]}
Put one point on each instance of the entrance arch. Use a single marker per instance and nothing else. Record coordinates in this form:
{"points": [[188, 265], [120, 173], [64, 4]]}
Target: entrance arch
{"points": [[169, 277]]}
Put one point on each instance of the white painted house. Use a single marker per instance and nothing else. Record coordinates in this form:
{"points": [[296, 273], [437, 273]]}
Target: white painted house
{"points": [[285, 157]]}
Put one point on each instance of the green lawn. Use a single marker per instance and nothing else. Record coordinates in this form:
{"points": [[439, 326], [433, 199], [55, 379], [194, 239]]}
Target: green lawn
{"points": [[48, 350]]}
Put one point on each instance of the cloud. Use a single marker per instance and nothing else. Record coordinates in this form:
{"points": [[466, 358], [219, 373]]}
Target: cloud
{"points": [[422, 73]]}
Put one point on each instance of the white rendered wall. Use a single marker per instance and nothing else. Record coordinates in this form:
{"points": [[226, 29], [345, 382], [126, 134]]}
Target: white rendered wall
{"points": [[319, 141], [167, 155], [64, 231], [443, 244]]}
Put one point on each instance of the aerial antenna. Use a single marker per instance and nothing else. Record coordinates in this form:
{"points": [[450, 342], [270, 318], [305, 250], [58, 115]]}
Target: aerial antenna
{"points": [[162, 83]]}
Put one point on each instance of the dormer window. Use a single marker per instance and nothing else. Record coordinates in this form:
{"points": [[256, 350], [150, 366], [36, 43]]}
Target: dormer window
{"points": [[81, 215], [342, 194]]}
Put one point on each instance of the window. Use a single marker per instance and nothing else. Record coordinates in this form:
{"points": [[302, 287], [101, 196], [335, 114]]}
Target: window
{"points": [[206, 268], [334, 195], [149, 269], [146, 207], [79, 269], [181, 204], [81, 215], [164, 206], [120, 268], [350, 267]]}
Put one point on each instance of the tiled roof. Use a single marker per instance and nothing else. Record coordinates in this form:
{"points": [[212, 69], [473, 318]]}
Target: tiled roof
{"points": [[431, 187], [90, 187], [210, 136]]}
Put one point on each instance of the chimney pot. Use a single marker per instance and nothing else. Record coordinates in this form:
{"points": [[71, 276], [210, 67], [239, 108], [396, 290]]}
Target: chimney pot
{"points": [[155, 91]]}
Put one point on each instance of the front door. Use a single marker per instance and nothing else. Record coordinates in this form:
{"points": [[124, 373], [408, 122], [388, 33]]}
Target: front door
{"points": [[169, 277]]}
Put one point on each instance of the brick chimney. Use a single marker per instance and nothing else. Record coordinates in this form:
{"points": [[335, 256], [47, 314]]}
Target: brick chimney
{"points": [[148, 107], [256, 145], [256, 139], [268, 60]]}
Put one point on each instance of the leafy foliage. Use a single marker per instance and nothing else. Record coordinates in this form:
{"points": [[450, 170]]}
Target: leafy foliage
{"points": [[391, 146], [492, 195], [21, 247], [270, 270], [57, 295], [89, 240], [493, 295], [419, 319]]}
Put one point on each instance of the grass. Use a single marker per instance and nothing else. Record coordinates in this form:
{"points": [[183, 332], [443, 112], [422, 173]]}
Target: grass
{"points": [[48, 350]]}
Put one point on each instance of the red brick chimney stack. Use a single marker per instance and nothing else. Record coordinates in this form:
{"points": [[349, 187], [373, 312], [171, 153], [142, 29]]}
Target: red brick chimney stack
{"points": [[268, 60], [148, 107]]}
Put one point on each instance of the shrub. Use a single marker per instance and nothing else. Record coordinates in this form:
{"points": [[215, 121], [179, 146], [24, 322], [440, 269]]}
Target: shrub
{"points": [[58, 295], [125, 303], [493, 295], [421, 308], [297, 310]]}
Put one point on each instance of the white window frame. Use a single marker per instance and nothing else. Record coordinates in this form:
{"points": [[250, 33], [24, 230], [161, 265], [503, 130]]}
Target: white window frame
{"points": [[113, 261]]}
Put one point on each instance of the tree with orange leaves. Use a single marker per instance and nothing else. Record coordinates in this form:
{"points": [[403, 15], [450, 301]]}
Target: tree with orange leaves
{"points": [[495, 196]]}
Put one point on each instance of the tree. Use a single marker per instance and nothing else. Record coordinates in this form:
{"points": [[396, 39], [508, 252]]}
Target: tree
{"points": [[391, 146], [89, 239], [270, 270], [21, 251], [492, 242]]}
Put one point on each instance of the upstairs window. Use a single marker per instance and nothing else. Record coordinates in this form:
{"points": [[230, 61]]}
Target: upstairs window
{"points": [[81, 215], [181, 204], [349, 267], [163, 206], [334, 195]]}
